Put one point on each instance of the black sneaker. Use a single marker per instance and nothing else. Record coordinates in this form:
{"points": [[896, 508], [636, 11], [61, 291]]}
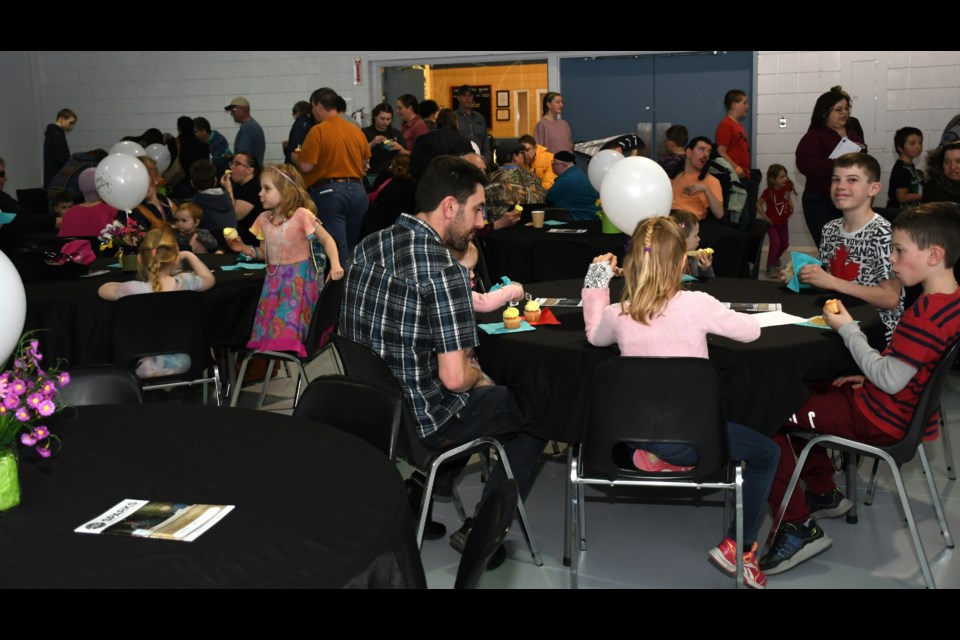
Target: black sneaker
{"points": [[458, 539], [828, 505], [794, 544]]}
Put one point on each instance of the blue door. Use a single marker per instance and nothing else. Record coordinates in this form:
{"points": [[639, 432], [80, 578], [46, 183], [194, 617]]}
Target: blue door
{"points": [[606, 96]]}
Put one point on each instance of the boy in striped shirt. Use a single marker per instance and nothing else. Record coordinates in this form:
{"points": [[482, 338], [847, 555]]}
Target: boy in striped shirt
{"points": [[877, 407]]}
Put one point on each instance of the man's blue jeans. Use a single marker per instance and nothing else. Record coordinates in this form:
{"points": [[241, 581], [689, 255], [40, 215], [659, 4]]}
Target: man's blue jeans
{"points": [[341, 207]]}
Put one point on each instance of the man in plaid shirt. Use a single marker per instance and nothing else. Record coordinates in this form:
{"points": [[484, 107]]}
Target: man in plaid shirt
{"points": [[407, 299]]}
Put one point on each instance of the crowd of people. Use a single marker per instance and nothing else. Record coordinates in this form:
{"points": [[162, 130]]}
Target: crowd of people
{"points": [[398, 213]]}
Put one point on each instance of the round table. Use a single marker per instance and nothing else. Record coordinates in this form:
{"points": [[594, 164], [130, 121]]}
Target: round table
{"points": [[78, 324], [765, 381], [315, 507], [509, 252]]}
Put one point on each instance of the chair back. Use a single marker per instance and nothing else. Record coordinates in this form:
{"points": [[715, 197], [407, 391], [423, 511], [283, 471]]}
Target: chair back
{"points": [[153, 324], [100, 384], [35, 200], [560, 259], [643, 400], [370, 412], [489, 529], [359, 361], [756, 234], [325, 315], [927, 406]]}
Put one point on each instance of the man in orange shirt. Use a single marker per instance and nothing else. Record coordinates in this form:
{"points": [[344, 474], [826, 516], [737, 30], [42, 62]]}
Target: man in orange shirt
{"points": [[694, 193], [333, 161]]}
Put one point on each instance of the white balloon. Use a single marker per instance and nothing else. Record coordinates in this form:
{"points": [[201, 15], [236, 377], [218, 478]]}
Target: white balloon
{"points": [[128, 147], [633, 190], [600, 165], [122, 181], [160, 154], [14, 308]]}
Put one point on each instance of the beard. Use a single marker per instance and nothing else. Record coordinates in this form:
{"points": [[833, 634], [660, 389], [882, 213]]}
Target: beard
{"points": [[459, 233]]}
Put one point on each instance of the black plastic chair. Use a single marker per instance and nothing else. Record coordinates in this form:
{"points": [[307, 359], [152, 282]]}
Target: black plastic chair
{"points": [[322, 325], [894, 455], [358, 361], [560, 260], [756, 234], [615, 427], [370, 412], [489, 529], [154, 324], [100, 384]]}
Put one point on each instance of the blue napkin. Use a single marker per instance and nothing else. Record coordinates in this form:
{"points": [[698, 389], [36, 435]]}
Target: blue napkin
{"points": [[816, 326], [799, 260], [688, 278], [240, 266], [553, 223], [495, 328], [6, 218]]}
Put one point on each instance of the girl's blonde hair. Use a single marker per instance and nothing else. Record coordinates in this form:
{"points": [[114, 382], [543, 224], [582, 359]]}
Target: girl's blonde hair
{"points": [[289, 183], [685, 220], [652, 268], [157, 250], [773, 172]]}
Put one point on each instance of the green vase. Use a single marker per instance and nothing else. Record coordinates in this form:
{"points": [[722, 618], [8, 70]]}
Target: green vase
{"points": [[128, 262], [9, 478]]}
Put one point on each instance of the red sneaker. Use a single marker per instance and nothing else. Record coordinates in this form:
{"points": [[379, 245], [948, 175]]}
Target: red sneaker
{"points": [[724, 555], [641, 461]]}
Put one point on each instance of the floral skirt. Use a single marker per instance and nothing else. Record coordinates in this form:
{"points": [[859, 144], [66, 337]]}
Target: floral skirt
{"points": [[286, 308]]}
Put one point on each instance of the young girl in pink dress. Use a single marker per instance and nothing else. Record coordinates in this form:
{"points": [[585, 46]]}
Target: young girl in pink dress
{"points": [[292, 286]]}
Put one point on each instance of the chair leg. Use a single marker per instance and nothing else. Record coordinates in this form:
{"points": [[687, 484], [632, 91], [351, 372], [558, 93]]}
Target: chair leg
{"points": [[567, 508], [458, 504], [239, 380], [266, 383], [524, 523], [739, 526], [871, 487], [947, 448], [935, 498], [582, 517], [850, 466], [911, 523], [782, 509], [302, 381], [573, 522]]}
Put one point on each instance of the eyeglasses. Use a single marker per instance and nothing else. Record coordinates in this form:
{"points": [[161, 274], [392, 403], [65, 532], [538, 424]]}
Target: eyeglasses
{"points": [[3, 174], [239, 164], [842, 109]]}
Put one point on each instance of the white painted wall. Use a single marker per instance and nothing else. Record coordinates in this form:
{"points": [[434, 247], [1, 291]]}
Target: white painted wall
{"points": [[123, 93], [890, 89]]}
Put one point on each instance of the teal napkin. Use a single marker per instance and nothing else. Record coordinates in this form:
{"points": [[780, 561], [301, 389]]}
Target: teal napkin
{"points": [[240, 266], [799, 260], [495, 328]]}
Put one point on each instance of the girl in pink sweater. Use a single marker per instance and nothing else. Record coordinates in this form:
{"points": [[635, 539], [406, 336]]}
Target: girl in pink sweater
{"points": [[655, 317]]}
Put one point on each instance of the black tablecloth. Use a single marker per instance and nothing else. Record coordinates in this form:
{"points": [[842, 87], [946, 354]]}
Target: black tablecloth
{"points": [[509, 251], [79, 324], [765, 381], [315, 507]]}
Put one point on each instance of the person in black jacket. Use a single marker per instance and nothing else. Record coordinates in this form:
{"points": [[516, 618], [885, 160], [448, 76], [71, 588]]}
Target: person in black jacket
{"points": [[444, 141], [56, 151]]}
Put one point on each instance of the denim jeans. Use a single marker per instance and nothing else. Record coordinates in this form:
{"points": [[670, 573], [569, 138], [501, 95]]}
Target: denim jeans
{"points": [[818, 212], [341, 207], [489, 412], [761, 456]]}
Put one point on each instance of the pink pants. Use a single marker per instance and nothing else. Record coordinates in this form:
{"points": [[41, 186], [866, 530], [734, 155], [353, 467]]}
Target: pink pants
{"points": [[779, 241]]}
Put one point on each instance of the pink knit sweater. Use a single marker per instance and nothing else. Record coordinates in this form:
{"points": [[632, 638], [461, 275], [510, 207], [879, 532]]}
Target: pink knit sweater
{"points": [[681, 331]]}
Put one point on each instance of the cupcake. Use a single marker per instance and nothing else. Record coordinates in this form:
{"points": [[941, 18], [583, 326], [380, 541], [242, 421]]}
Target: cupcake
{"points": [[229, 233], [511, 318], [531, 312]]}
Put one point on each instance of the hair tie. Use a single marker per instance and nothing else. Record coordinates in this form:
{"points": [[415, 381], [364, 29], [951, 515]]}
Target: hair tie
{"points": [[153, 251], [682, 225], [646, 249]]}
